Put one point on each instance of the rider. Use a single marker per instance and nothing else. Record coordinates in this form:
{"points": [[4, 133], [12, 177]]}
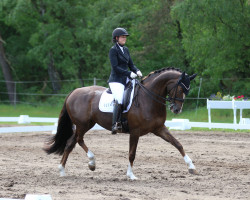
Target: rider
{"points": [[120, 61]]}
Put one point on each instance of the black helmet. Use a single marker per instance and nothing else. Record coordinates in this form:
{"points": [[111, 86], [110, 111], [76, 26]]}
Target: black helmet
{"points": [[119, 32]]}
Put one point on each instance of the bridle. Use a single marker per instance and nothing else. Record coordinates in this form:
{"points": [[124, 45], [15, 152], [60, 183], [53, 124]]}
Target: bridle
{"points": [[169, 99]]}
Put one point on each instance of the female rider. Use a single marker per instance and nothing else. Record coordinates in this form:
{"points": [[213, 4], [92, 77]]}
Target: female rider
{"points": [[120, 62]]}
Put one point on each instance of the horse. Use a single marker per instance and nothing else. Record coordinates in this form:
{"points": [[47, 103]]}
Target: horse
{"points": [[147, 114]]}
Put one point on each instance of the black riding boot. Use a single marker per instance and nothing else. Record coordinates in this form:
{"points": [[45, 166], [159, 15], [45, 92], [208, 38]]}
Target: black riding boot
{"points": [[116, 121]]}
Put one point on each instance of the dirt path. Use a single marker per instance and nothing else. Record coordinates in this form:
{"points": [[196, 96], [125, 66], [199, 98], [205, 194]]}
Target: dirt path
{"points": [[222, 159]]}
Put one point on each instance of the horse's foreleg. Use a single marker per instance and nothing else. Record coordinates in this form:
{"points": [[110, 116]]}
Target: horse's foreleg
{"points": [[69, 147], [165, 135], [133, 141], [90, 155]]}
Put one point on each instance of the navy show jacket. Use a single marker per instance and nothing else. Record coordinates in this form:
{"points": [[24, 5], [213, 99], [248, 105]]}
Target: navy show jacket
{"points": [[120, 62]]}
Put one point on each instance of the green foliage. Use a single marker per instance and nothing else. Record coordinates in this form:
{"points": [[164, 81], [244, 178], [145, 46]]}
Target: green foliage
{"points": [[216, 36], [71, 40]]}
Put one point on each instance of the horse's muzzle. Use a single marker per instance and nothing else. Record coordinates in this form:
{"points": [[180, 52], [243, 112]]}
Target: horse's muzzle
{"points": [[175, 109]]}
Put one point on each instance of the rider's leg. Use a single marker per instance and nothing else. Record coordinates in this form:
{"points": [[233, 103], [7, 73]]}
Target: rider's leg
{"points": [[117, 91], [116, 121]]}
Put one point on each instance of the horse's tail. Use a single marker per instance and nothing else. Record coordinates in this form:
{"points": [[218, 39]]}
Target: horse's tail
{"points": [[57, 143]]}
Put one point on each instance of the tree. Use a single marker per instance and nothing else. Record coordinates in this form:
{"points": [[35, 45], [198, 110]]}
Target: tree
{"points": [[216, 40], [64, 39], [216, 36], [5, 65], [161, 38]]}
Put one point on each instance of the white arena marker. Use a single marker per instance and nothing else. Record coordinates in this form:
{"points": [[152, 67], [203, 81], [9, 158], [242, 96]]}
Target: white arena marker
{"points": [[9, 199], [23, 119], [37, 197]]}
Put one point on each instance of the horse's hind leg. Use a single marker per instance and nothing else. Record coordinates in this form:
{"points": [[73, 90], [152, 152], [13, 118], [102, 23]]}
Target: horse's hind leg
{"points": [[71, 142], [165, 135], [80, 140], [77, 137]]}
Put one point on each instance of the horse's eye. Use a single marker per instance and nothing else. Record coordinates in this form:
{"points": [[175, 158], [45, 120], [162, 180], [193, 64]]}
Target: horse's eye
{"points": [[180, 91]]}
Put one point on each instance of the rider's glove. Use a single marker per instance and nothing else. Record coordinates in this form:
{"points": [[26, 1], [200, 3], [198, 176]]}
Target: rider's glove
{"points": [[139, 73], [133, 75]]}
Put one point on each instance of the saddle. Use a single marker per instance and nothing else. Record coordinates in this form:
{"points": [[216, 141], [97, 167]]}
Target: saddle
{"points": [[126, 96], [107, 100]]}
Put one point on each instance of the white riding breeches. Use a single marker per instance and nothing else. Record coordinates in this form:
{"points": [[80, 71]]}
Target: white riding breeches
{"points": [[117, 91]]}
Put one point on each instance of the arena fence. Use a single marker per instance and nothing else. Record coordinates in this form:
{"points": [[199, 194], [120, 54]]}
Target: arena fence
{"points": [[178, 124], [211, 104]]}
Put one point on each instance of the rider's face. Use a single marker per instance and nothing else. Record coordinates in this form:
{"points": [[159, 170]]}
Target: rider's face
{"points": [[122, 39]]}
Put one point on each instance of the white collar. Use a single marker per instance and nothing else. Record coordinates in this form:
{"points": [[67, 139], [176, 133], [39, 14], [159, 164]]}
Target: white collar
{"points": [[120, 47]]}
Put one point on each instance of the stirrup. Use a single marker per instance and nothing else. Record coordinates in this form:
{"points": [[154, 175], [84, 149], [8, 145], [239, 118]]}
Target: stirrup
{"points": [[116, 127]]}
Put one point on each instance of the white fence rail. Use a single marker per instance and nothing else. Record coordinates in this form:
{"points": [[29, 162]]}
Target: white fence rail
{"points": [[25, 119], [179, 124], [228, 105]]}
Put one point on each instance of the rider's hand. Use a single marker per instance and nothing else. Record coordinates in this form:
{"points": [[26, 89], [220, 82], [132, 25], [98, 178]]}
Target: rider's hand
{"points": [[133, 75], [139, 73]]}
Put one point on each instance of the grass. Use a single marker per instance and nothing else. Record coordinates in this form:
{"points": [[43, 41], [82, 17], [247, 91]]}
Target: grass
{"points": [[32, 111]]}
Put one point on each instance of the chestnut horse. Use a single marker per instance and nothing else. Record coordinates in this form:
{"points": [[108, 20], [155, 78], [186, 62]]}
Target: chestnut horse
{"points": [[147, 114]]}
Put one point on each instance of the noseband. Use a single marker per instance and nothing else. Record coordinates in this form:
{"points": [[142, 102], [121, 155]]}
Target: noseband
{"points": [[169, 99]]}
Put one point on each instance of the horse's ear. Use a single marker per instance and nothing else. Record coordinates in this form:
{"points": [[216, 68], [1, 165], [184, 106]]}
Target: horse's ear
{"points": [[183, 75], [192, 77]]}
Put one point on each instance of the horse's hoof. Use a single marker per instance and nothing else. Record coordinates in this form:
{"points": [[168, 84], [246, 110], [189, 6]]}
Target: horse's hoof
{"points": [[131, 176], [193, 171], [92, 167]]}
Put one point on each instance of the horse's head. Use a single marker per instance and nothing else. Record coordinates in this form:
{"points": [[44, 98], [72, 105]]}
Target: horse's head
{"points": [[178, 92]]}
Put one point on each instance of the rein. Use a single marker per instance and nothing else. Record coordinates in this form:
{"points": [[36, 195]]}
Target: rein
{"points": [[155, 96]]}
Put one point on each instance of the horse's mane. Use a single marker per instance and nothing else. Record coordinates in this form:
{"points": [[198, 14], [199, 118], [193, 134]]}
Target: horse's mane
{"points": [[159, 71]]}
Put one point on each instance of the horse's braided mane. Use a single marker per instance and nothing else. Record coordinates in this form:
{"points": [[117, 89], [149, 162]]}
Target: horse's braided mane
{"points": [[158, 71]]}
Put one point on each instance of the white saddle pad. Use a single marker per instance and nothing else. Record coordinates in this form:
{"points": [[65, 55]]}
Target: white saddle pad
{"points": [[107, 100]]}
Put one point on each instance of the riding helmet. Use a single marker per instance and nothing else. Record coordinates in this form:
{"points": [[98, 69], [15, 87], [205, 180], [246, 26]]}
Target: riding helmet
{"points": [[119, 32]]}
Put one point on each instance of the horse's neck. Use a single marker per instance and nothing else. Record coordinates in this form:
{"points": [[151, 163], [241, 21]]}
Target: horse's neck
{"points": [[158, 85], [152, 109]]}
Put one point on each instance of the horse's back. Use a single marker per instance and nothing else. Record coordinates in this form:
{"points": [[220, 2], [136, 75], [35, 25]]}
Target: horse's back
{"points": [[81, 100], [85, 93]]}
